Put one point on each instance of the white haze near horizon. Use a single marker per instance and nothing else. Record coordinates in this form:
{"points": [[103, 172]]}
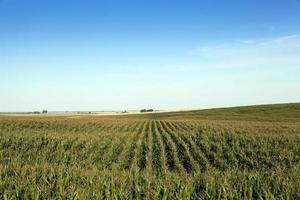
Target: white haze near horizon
{"points": [[240, 72]]}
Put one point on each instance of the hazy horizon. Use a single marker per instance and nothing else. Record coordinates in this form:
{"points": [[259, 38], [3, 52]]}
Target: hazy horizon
{"points": [[156, 110], [128, 55]]}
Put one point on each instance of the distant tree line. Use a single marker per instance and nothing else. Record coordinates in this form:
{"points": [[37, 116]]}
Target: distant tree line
{"points": [[146, 110], [38, 112], [88, 112]]}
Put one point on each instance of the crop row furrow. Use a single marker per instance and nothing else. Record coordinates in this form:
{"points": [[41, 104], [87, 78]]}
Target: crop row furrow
{"points": [[127, 162], [182, 150], [128, 149], [143, 150], [149, 157], [114, 150], [138, 147], [159, 164], [170, 150], [192, 148], [203, 142]]}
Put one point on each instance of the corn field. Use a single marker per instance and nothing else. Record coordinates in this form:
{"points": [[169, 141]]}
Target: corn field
{"points": [[148, 158]]}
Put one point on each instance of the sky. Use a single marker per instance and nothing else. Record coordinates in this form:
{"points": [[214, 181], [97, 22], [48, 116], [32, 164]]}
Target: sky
{"points": [[64, 55]]}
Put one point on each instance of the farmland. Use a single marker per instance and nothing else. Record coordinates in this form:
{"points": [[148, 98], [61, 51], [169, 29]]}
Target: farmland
{"points": [[232, 153]]}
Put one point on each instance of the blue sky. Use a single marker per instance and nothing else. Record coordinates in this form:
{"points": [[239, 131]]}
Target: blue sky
{"points": [[117, 54]]}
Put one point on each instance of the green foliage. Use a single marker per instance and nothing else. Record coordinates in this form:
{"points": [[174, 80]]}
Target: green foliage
{"points": [[152, 158]]}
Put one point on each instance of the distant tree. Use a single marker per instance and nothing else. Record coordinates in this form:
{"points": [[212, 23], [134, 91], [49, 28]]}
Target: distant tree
{"points": [[44, 111], [146, 110]]}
